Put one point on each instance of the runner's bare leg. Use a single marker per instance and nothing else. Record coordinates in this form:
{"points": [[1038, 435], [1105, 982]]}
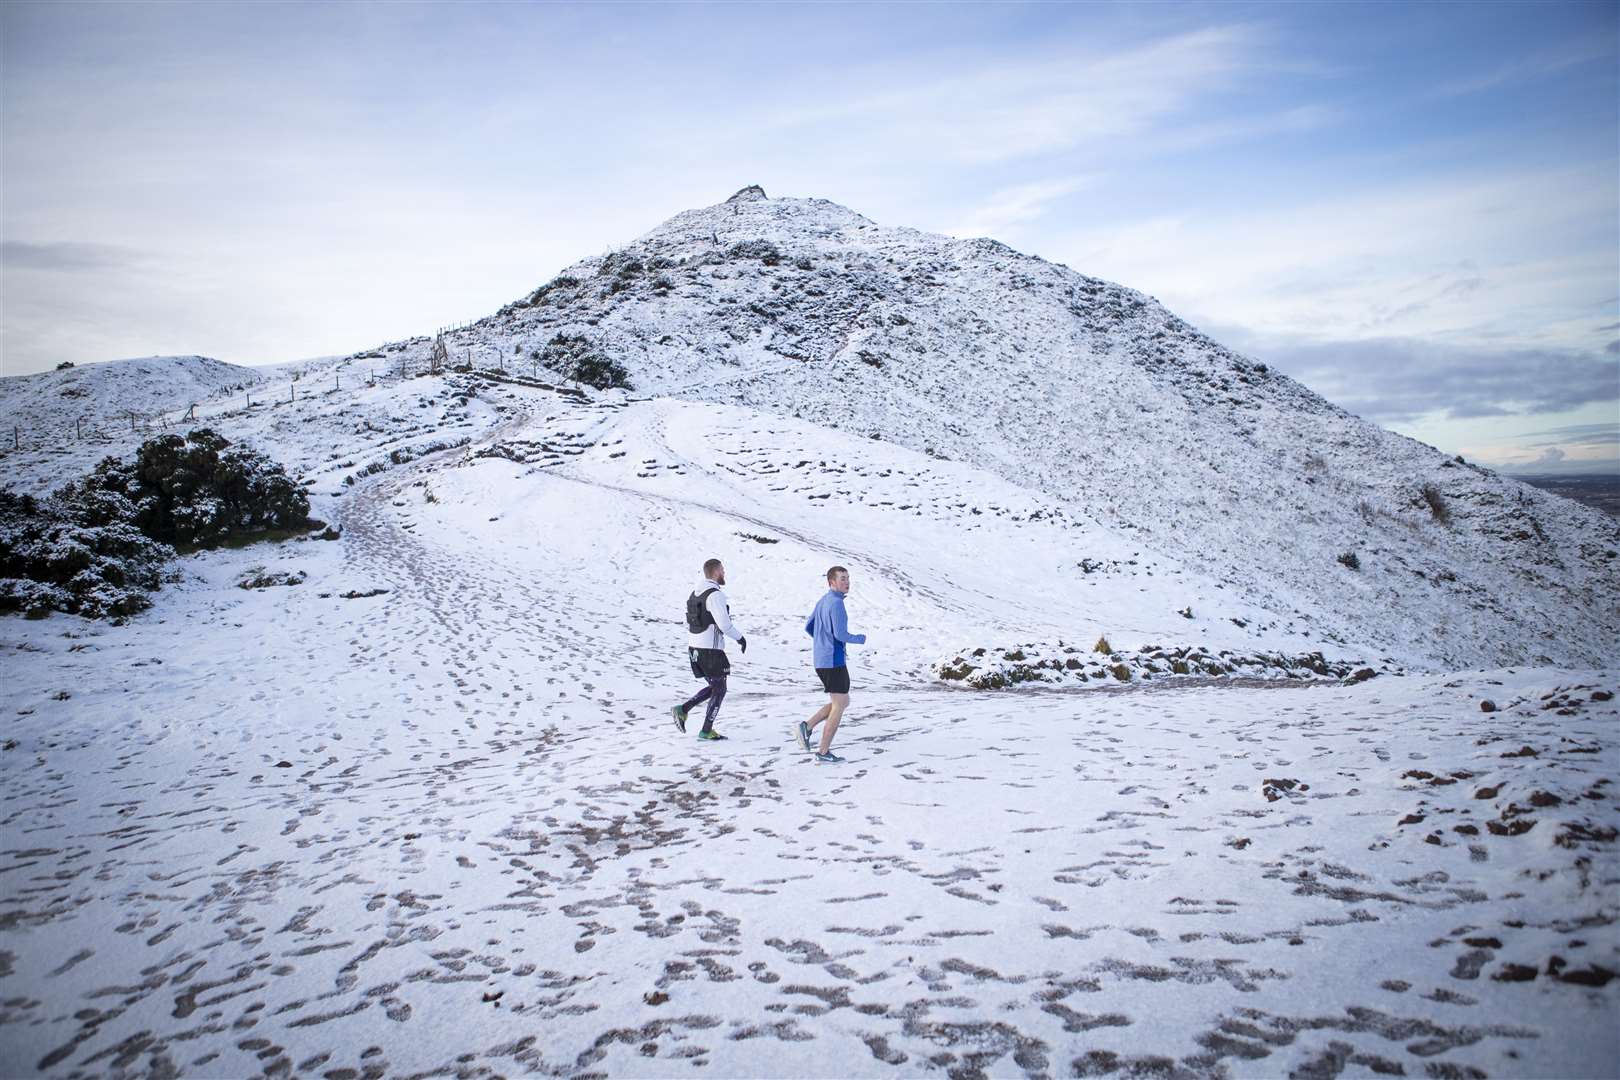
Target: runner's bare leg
{"points": [[835, 710]]}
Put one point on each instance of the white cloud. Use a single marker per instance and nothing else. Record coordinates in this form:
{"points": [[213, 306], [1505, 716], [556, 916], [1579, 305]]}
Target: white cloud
{"points": [[1538, 65], [1523, 260], [1014, 206], [1040, 104]]}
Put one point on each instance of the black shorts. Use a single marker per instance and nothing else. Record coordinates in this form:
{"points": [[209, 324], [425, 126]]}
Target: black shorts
{"points": [[709, 663], [834, 679]]}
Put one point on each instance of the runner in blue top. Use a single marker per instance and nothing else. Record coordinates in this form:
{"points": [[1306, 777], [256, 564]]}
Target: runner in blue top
{"points": [[829, 627]]}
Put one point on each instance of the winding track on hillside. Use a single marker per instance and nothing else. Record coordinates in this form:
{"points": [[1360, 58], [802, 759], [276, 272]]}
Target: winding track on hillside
{"points": [[483, 610], [508, 863]]}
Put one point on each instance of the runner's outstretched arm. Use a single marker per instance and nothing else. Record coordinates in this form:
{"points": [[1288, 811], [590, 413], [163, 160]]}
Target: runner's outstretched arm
{"points": [[841, 627], [722, 618]]}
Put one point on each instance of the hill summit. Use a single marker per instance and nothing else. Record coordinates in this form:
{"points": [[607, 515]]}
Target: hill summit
{"points": [[1093, 393]]}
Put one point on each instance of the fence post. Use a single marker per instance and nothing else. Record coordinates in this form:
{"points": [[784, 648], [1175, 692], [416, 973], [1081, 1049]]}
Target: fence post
{"points": [[16, 437], [78, 427]]}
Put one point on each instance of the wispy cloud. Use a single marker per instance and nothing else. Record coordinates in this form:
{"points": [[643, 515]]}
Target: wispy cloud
{"points": [[1211, 132], [1010, 207], [1577, 435], [1517, 260], [1044, 103], [1540, 64], [67, 256]]}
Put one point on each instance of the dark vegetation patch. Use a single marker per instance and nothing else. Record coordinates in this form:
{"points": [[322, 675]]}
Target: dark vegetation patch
{"points": [[98, 545], [575, 357]]}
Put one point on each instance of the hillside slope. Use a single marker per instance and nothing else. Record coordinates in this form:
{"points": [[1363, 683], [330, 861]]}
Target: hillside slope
{"points": [[1085, 394], [1094, 394], [425, 812], [48, 406]]}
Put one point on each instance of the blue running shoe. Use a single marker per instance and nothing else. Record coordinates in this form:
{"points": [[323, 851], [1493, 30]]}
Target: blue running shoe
{"points": [[829, 758], [803, 732]]}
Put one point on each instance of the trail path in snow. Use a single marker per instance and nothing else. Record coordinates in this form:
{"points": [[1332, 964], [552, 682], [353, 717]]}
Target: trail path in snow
{"points": [[450, 830]]}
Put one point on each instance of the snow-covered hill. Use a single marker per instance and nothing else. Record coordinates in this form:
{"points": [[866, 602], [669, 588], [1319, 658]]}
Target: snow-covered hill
{"points": [[1087, 393], [1098, 397], [422, 810], [58, 407]]}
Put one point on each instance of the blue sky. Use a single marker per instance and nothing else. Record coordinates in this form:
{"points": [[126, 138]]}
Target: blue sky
{"points": [[1410, 207]]}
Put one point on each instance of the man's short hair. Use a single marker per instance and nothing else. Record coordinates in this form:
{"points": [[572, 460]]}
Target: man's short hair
{"points": [[710, 567], [833, 573]]}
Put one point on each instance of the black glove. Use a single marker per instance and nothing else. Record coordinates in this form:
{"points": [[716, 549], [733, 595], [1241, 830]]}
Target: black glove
{"points": [[742, 643]]}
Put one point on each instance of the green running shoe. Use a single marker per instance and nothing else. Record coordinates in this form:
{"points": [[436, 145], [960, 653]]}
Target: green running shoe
{"points": [[680, 718], [711, 736]]}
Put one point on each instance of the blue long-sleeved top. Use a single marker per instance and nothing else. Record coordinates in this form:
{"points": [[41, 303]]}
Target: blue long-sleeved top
{"points": [[829, 626]]}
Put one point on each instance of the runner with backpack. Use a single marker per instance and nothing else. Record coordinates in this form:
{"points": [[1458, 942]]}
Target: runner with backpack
{"points": [[708, 621]]}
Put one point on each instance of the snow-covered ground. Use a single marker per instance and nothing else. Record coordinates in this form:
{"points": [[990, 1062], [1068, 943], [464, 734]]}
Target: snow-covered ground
{"points": [[449, 829]]}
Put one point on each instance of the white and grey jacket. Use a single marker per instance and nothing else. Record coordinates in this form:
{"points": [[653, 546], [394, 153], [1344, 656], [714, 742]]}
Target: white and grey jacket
{"points": [[714, 637]]}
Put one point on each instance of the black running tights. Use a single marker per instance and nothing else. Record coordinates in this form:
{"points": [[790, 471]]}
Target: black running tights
{"points": [[714, 694]]}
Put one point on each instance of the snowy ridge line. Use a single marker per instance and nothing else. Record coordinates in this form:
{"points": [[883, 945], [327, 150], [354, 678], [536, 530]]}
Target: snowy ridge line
{"points": [[998, 668]]}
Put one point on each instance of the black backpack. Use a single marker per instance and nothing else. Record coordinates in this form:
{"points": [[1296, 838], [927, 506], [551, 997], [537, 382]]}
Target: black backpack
{"points": [[698, 618]]}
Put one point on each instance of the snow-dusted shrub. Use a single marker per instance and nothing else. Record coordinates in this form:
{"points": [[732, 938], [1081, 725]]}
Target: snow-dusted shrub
{"points": [[77, 551], [574, 357], [1350, 561], [199, 490], [561, 281], [763, 250], [64, 365], [600, 372], [1437, 504], [621, 265], [97, 546]]}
